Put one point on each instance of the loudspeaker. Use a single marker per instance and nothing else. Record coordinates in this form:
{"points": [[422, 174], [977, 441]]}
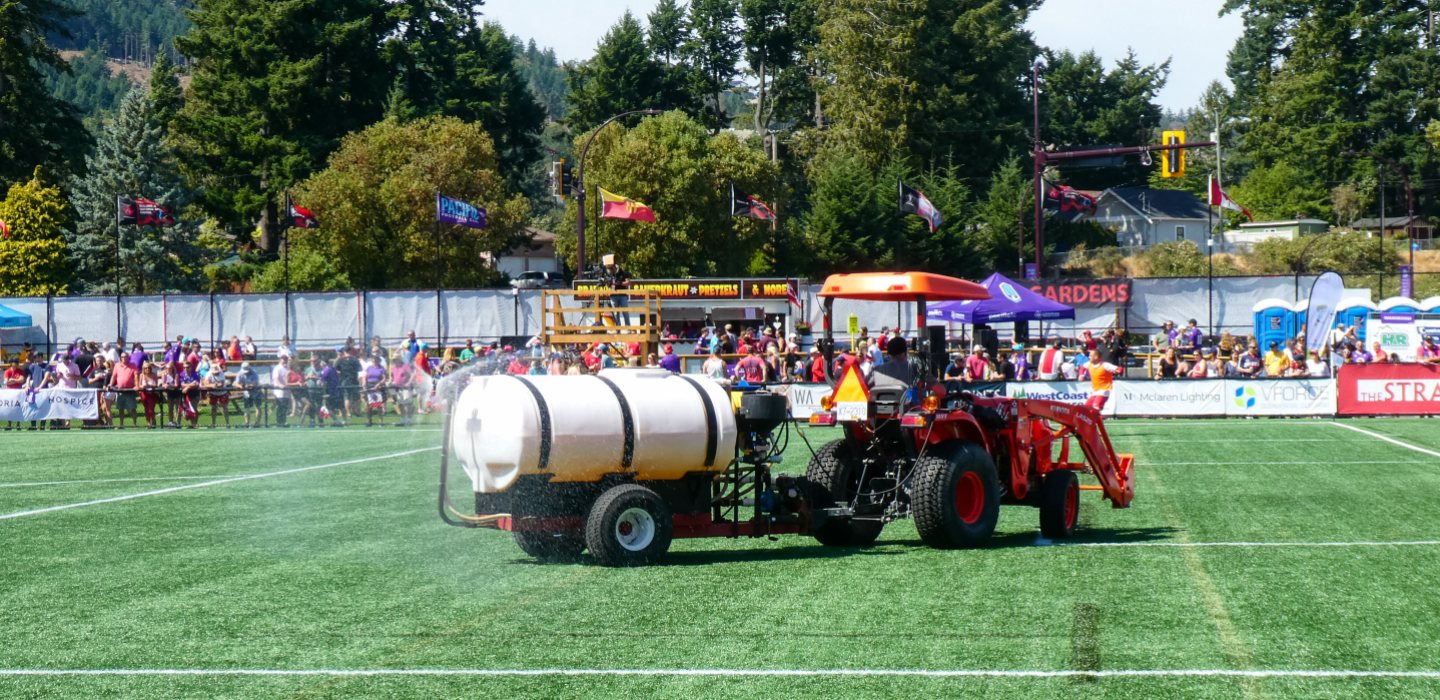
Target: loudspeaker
{"points": [[933, 338], [1022, 333], [986, 338]]}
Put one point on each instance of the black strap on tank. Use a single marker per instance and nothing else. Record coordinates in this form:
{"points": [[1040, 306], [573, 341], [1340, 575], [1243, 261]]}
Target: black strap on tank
{"points": [[629, 455], [712, 429], [546, 432]]}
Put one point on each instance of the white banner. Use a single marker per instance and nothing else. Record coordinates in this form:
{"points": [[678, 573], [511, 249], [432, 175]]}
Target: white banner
{"points": [[1325, 296], [1174, 397], [805, 398], [1076, 393], [1280, 397], [49, 404]]}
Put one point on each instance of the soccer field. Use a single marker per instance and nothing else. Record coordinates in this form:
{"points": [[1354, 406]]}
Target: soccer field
{"points": [[1261, 558]]}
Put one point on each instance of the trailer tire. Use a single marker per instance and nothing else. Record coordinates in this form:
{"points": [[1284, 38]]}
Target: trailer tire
{"points": [[834, 475], [1059, 504], [956, 495], [629, 525], [551, 546]]}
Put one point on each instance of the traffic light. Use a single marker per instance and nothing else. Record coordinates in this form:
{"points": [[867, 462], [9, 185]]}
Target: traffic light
{"points": [[1172, 160], [552, 178], [567, 179]]}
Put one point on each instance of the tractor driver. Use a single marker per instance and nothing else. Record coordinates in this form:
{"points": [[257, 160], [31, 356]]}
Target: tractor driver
{"points": [[895, 371]]}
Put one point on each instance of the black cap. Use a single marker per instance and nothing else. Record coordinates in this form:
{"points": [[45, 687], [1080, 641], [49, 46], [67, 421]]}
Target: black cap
{"points": [[1274, 344]]}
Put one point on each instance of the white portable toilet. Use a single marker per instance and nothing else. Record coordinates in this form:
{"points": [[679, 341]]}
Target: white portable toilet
{"points": [[1400, 305]]}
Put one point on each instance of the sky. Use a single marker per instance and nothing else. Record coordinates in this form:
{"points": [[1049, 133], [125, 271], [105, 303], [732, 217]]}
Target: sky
{"points": [[1185, 31]]}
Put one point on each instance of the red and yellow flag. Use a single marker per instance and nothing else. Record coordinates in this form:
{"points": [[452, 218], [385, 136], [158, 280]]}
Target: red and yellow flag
{"points": [[617, 207]]}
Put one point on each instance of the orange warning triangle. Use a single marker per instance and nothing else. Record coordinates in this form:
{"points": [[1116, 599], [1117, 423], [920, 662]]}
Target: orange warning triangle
{"points": [[851, 388]]}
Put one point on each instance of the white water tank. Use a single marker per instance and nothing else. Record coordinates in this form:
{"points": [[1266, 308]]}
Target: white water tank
{"points": [[575, 427]]}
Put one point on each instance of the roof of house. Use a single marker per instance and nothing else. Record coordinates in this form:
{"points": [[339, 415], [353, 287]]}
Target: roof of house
{"points": [[1291, 222], [1160, 204], [1390, 222]]}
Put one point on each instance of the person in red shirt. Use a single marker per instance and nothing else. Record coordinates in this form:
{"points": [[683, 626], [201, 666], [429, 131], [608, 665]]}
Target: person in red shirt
{"points": [[14, 376], [817, 366], [124, 381], [976, 366], [1090, 343], [751, 368]]}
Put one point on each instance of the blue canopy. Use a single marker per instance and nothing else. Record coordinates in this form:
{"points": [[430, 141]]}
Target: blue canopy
{"points": [[1009, 301], [10, 318]]}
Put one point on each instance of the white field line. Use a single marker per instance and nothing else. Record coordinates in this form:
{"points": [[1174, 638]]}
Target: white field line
{"points": [[1266, 464], [1171, 440], [217, 482], [722, 672], [105, 481], [1390, 440], [1408, 543]]}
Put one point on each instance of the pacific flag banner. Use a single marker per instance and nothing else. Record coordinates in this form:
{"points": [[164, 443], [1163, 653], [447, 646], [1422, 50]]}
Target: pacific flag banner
{"points": [[912, 201], [742, 204], [1218, 198], [141, 212], [299, 217], [617, 207], [454, 211]]}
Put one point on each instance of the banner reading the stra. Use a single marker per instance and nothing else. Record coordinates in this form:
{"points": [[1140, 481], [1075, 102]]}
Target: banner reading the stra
{"points": [[1389, 390], [49, 404]]}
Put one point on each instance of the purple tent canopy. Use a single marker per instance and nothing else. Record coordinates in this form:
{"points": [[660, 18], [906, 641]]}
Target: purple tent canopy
{"points": [[1009, 301]]}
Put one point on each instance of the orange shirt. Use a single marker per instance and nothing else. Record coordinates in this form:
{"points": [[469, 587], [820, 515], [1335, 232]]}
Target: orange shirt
{"points": [[1102, 376]]}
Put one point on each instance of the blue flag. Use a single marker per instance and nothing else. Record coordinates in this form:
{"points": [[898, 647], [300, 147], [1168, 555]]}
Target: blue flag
{"points": [[454, 211]]}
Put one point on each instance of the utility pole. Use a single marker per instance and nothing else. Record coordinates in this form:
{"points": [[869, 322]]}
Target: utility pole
{"points": [[580, 189], [1039, 150]]}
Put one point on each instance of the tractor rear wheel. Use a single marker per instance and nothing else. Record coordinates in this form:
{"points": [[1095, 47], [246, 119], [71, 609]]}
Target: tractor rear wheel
{"points": [[834, 474], [551, 546], [956, 495], [1059, 504], [629, 525]]}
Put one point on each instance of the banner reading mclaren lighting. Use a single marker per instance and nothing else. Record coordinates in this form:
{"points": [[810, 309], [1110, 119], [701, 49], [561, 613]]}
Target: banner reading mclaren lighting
{"points": [[1389, 389], [48, 404]]}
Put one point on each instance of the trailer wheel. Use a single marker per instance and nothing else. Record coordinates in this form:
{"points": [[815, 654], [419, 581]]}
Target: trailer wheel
{"points": [[1059, 504], [629, 525], [956, 495], [834, 474], [551, 546]]}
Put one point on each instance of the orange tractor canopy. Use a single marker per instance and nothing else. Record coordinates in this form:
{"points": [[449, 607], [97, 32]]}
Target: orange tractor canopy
{"points": [[914, 446]]}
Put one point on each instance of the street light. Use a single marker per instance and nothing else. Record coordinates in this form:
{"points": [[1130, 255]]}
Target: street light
{"points": [[580, 182], [1409, 197]]}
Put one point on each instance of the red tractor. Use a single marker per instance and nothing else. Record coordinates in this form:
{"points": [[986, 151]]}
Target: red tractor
{"points": [[916, 447]]}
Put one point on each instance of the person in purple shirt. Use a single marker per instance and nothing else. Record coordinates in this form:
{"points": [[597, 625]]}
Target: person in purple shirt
{"points": [[670, 361], [375, 376], [1193, 336], [138, 356], [1361, 355], [335, 395]]}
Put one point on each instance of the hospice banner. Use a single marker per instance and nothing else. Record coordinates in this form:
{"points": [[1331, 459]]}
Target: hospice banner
{"points": [[49, 404], [1389, 389]]}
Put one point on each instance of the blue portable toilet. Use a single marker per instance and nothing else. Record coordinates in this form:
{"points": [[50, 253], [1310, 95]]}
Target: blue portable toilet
{"points": [[1301, 310], [1274, 321], [1430, 306], [1400, 305], [1352, 312]]}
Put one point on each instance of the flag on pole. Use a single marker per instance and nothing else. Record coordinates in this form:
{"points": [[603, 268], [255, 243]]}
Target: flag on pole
{"points": [[790, 295], [141, 212], [617, 207], [299, 217], [742, 204], [1068, 199], [4, 229], [454, 211], [1218, 198], [913, 201]]}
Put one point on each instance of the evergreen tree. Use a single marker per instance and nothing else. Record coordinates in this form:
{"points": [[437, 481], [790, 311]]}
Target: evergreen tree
{"points": [[712, 48], [33, 256], [35, 127], [621, 77], [166, 98], [667, 30], [132, 159], [90, 87], [941, 78], [776, 37], [545, 76], [137, 30], [275, 86]]}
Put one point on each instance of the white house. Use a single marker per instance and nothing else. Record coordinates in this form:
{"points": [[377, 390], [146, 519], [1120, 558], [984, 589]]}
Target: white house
{"points": [[538, 255], [1144, 217]]}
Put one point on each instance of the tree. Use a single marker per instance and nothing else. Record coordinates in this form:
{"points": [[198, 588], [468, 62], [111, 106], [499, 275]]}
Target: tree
{"points": [[621, 77], [1282, 192], [35, 127], [667, 30], [776, 36], [132, 159], [1084, 106], [376, 207], [929, 80], [32, 258], [543, 73], [672, 165], [713, 48], [89, 87], [1175, 259], [275, 86], [166, 98]]}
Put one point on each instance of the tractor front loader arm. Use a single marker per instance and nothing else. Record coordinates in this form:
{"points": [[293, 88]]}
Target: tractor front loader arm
{"points": [[1115, 472]]}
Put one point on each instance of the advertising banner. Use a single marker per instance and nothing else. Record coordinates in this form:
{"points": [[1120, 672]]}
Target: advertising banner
{"points": [[1075, 393], [1086, 293], [1398, 333], [1325, 296], [1196, 397], [454, 211], [49, 404], [728, 288], [1279, 397], [1389, 389]]}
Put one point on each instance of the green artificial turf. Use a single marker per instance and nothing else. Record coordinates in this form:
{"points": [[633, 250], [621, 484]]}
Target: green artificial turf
{"points": [[348, 567]]}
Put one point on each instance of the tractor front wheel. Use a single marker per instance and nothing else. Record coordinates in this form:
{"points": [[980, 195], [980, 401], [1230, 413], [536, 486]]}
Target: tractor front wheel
{"points": [[834, 473], [1059, 504], [956, 495], [629, 525]]}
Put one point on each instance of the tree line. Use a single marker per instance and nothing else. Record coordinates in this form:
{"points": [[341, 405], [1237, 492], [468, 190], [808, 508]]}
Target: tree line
{"points": [[817, 108]]}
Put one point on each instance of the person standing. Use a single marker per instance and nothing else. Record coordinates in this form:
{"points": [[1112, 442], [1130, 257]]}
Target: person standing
{"points": [[402, 382], [286, 351], [375, 383], [124, 381], [751, 368], [334, 394], [249, 383], [1429, 352], [1022, 363], [347, 365], [670, 361], [1250, 364], [1192, 337], [1102, 381], [955, 371], [1051, 361], [1275, 361], [976, 368], [715, 368], [279, 381]]}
